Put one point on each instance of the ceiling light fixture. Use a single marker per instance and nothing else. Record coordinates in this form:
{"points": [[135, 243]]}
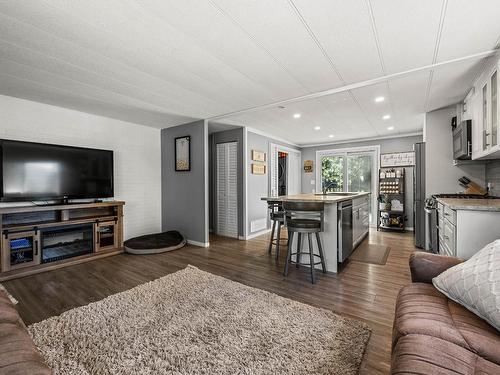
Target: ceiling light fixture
{"points": [[330, 136], [317, 128], [379, 99], [386, 117], [297, 115], [390, 128]]}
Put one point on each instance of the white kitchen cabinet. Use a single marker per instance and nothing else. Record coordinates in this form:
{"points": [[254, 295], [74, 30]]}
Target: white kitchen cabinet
{"points": [[462, 233], [483, 106], [360, 219]]}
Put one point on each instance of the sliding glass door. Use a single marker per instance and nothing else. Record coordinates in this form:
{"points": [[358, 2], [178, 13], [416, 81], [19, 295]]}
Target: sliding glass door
{"points": [[349, 170]]}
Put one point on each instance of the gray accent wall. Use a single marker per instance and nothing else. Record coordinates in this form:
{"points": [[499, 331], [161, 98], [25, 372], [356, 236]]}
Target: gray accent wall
{"points": [[185, 194], [235, 135], [258, 185], [388, 145], [440, 174]]}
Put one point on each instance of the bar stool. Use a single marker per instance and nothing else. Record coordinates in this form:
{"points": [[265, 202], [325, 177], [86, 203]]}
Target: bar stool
{"points": [[277, 216], [304, 218]]}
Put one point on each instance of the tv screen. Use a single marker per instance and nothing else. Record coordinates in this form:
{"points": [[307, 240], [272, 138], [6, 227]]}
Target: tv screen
{"points": [[36, 171]]}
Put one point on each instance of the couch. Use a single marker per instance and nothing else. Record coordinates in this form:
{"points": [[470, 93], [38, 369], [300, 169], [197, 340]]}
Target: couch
{"points": [[18, 353], [434, 335]]}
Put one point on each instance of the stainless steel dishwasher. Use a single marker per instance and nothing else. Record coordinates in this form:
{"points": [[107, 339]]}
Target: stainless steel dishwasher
{"points": [[344, 215]]}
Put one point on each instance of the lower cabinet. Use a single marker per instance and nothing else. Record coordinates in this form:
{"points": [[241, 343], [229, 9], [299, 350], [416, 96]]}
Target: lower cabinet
{"points": [[462, 233], [106, 235], [21, 249], [360, 219]]}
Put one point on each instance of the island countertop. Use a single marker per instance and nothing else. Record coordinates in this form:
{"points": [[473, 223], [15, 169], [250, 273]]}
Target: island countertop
{"points": [[315, 198]]}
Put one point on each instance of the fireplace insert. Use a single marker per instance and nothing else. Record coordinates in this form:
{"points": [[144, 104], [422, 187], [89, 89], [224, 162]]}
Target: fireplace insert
{"points": [[66, 242]]}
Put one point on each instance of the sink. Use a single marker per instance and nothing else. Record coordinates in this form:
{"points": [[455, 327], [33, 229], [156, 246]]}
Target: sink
{"points": [[338, 194]]}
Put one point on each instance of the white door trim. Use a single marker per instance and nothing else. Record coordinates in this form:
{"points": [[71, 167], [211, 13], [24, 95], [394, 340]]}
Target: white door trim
{"points": [[345, 152], [274, 147]]}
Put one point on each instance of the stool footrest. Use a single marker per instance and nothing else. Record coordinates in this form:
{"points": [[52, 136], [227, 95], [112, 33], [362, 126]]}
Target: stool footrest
{"points": [[305, 253]]}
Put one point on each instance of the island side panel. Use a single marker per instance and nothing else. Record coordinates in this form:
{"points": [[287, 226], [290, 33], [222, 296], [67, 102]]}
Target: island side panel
{"points": [[328, 240]]}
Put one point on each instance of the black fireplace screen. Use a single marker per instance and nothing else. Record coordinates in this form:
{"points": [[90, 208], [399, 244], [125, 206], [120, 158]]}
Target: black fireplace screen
{"points": [[67, 242]]}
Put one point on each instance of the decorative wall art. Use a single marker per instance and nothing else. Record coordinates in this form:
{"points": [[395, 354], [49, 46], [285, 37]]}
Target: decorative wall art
{"points": [[183, 154]]}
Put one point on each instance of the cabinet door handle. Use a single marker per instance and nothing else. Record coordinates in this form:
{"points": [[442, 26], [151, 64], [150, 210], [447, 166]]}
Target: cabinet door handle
{"points": [[36, 247]]}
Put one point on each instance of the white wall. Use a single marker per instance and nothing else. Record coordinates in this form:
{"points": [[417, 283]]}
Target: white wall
{"points": [[137, 162], [440, 174]]}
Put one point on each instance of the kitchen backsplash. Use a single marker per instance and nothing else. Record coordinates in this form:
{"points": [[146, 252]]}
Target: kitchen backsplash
{"points": [[493, 176]]}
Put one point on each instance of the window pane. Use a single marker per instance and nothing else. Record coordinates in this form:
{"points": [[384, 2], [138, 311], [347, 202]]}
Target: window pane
{"points": [[359, 172], [332, 173]]}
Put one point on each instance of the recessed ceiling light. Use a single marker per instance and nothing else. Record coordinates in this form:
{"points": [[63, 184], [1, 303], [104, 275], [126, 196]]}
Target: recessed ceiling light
{"points": [[386, 117], [379, 99], [330, 136], [317, 128], [297, 115], [390, 128]]}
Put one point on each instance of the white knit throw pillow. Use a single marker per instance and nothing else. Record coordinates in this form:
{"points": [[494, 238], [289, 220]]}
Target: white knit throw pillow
{"points": [[475, 283]]}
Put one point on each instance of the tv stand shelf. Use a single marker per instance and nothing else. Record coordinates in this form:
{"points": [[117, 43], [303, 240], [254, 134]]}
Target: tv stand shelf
{"points": [[45, 237]]}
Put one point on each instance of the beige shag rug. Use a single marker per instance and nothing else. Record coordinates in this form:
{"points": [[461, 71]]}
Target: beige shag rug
{"points": [[193, 322]]}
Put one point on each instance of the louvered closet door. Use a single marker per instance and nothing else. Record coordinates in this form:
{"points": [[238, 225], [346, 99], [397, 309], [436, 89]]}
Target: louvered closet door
{"points": [[227, 189]]}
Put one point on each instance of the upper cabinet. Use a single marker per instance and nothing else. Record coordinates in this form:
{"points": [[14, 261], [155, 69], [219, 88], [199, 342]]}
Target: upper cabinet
{"points": [[482, 106]]}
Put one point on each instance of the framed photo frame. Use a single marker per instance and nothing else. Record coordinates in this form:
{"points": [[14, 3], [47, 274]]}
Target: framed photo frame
{"points": [[183, 154]]}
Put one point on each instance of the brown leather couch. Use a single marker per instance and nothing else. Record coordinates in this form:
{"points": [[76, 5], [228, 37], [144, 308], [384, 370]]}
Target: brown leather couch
{"points": [[18, 353], [434, 335]]}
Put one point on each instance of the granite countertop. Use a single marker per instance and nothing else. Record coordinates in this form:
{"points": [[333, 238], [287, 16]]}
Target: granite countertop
{"points": [[315, 198], [471, 204]]}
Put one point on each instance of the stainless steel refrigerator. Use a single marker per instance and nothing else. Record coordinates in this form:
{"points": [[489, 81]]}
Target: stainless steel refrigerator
{"points": [[419, 194]]}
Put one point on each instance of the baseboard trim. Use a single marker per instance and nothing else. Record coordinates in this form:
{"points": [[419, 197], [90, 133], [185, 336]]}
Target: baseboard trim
{"points": [[256, 234], [200, 244]]}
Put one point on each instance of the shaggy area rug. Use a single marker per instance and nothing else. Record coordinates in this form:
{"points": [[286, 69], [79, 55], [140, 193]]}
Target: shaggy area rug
{"points": [[193, 322]]}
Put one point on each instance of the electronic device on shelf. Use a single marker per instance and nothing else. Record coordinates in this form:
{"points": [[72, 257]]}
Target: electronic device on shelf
{"points": [[40, 172]]}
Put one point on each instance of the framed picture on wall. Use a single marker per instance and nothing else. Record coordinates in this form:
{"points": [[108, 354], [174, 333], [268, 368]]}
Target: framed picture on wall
{"points": [[183, 154]]}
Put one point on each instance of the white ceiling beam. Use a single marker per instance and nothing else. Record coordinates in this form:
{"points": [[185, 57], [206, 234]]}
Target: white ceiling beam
{"points": [[355, 85]]}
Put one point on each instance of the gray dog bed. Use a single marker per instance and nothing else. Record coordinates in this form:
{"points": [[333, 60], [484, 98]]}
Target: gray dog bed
{"points": [[155, 243]]}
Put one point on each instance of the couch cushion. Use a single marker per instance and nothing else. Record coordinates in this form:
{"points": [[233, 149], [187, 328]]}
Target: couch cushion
{"points": [[18, 353], [422, 309], [424, 355], [475, 283]]}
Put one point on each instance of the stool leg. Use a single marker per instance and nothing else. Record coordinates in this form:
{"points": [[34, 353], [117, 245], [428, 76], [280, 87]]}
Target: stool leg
{"points": [[272, 238], [320, 248], [288, 253], [299, 249], [311, 257], [278, 241]]}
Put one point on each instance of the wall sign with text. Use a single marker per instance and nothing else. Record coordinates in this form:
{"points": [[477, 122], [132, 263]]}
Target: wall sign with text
{"points": [[397, 159]]}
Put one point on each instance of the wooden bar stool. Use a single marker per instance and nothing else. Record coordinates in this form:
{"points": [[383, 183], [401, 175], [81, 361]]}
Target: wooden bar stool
{"points": [[277, 216], [304, 218]]}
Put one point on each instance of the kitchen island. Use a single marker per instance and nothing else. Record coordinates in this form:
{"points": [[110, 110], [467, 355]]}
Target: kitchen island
{"points": [[330, 235]]}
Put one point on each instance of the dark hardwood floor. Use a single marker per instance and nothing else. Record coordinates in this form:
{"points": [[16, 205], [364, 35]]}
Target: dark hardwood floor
{"points": [[361, 291]]}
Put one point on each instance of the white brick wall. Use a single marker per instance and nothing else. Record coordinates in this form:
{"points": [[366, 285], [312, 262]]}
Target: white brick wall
{"points": [[136, 152]]}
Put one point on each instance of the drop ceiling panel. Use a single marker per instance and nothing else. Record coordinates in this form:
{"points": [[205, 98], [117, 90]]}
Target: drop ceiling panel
{"points": [[408, 93], [469, 27], [407, 32], [450, 84], [346, 34], [206, 26], [291, 45], [21, 88]]}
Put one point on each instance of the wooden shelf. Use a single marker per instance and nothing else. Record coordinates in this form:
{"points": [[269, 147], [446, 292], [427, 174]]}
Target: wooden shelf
{"points": [[392, 228], [56, 223]]}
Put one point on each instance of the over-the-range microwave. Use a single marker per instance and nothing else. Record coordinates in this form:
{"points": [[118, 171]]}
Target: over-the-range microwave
{"points": [[462, 140]]}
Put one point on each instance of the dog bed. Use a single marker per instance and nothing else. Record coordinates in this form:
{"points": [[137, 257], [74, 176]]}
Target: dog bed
{"points": [[155, 243]]}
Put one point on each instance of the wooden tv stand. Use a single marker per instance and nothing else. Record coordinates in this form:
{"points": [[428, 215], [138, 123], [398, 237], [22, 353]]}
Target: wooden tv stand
{"points": [[46, 237]]}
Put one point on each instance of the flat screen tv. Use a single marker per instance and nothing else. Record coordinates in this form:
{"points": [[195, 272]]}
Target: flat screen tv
{"points": [[36, 171]]}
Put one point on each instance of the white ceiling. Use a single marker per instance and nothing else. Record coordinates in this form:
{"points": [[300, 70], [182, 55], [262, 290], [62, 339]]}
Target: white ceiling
{"points": [[163, 63]]}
